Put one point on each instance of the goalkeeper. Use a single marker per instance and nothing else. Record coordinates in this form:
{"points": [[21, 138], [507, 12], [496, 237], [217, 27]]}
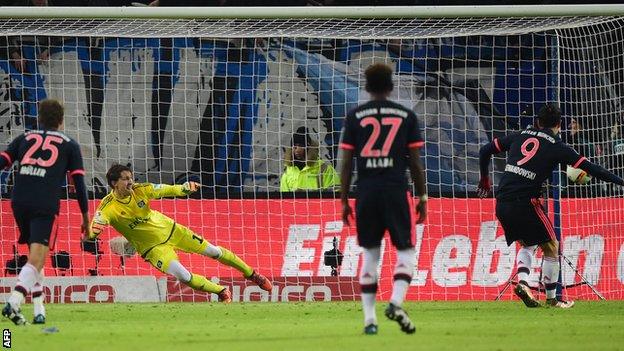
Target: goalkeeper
{"points": [[157, 237]]}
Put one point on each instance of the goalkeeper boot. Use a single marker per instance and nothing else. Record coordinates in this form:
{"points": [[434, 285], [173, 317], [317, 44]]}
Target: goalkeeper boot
{"points": [[39, 319], [559, 304], [524, 293], [399, 315], [261, 281], [225, 296], [14, 315], [371, 329]]}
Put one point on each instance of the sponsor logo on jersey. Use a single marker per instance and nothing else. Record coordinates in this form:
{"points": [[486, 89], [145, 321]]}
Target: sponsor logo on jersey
{"points": [[137, 221]]}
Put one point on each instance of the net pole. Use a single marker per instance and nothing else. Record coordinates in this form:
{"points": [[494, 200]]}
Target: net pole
{"points": [[557, 174]]}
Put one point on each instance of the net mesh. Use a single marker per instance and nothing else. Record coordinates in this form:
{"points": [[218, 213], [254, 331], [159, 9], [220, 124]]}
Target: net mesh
{"points": [[219, 101], [341, 28]]}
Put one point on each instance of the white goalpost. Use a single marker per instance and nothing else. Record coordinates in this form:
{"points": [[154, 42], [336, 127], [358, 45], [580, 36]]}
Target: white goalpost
{"points": [[217, 94]]}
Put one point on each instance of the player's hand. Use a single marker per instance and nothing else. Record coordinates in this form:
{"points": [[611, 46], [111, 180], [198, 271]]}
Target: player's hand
{"points": [[421, 210], [347, 213], [484, 187], [85, 227], [191, 187]]}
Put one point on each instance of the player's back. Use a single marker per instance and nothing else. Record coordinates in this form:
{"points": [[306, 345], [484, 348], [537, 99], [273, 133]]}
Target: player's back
{"points": [[44, 158], [380, 132], [532, 156]]}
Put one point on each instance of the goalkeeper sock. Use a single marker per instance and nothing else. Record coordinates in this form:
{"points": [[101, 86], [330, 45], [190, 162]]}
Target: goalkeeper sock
{"points": [[368, 283], [550, 276], [25, 282], [402, 275], [229, 258], [524, 261], [201, 283]]}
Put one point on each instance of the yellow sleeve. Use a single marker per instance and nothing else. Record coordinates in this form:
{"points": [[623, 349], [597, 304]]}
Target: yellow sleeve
{"points": [[157, 191], [284, 181], [330, 177]]}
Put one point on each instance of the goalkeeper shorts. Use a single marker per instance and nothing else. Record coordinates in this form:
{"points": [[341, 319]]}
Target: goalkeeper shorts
{"points": [[182, 239]]}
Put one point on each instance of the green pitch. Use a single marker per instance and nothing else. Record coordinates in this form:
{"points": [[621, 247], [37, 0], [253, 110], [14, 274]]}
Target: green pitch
{"points": [[322, 326]]}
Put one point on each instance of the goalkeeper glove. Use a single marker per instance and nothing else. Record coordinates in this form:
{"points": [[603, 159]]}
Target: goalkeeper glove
{"points": [[190, 187]]}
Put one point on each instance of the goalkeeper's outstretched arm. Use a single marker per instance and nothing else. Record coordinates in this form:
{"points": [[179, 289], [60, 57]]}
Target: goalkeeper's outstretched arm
{"points": [[157, 191]]}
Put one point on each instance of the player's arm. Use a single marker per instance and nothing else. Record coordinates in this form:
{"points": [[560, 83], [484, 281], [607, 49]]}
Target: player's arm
{"points": [[99, 221], [7, 157], [157, 191], [5, 160], [346, 171], [496, 146], [571, 157], [347, 145], [77, 173], [414, 143], [418, 177], [83, 201], [600, 172]]}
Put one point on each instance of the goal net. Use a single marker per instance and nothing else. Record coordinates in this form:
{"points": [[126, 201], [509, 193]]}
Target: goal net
{"points": [[218, 96]]}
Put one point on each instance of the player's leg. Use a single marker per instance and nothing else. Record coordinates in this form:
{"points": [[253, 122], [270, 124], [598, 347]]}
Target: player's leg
{"points": [[370, 230], [198, 282], [164, 258], [550, 274], [44, 231], [35, 228], [398, 217], [524, 262], [545, 237], [188, 241], [519, 220], [39, 312]]}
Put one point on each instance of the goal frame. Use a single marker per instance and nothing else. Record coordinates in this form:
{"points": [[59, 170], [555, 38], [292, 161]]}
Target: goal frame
{"points": [[329, 12], [314, 11]]}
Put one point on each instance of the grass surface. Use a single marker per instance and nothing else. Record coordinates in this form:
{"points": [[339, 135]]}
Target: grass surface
{"points": [[322, 326]]}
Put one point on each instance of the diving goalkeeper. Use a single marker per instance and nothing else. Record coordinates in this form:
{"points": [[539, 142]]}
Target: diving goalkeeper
{"points": [[157, 237]]}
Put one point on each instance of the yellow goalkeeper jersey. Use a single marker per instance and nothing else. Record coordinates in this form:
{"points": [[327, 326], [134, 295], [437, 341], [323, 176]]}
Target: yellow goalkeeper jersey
{"points": [[134, 219]]}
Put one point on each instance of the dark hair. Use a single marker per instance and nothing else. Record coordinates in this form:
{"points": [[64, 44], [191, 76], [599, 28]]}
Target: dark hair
{"points": [[379, 78], [301, 137], [50, 113], [549, 116], [114, 173]]}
